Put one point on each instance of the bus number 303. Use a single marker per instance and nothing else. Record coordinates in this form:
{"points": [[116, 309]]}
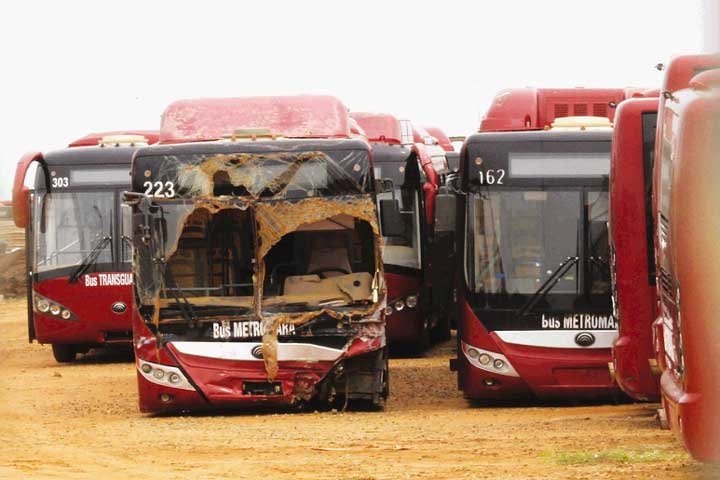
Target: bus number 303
{"points": [[491, 176], [159, 189]]}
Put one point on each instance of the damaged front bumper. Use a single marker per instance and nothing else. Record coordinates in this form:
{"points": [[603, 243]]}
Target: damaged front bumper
{"points": [[232, 374]]}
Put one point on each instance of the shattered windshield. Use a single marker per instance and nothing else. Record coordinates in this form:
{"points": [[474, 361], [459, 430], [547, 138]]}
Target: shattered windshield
{"points": [[309, 254], [278, 174]]}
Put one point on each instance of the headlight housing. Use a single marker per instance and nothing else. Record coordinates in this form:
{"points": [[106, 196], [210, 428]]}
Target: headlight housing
{"points": [[49, 307]]}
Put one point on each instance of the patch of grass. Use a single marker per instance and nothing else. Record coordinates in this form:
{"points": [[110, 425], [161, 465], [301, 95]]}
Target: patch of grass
{"points": [[614, 455]]}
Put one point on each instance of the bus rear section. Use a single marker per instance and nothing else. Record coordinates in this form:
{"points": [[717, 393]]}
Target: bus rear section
{"points": [[417, 251], [534, 306], [78, 251], [258, 266], [632, 254], [688, 270]]}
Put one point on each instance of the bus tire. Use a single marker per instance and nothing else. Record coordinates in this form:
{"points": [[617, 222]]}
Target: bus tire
{"points": [[64, 353]]}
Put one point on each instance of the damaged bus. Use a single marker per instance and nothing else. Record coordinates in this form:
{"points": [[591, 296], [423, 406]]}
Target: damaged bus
{"points": [[534, 308], [78, 255], [258, 274], [417, 243]]}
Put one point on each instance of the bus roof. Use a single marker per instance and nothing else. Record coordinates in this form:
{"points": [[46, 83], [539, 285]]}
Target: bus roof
{"points": [[94, 139], [90, 155], [379, 127], [301, 116], [541, 136], [535, 108], [681, 69]]}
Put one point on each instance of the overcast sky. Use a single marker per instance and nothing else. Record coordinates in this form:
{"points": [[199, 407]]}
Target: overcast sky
{"points": [[70, 67]]}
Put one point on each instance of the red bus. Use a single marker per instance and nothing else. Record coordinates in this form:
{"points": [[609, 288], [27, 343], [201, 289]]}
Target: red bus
{"points": [[534, 306], [258, 273], [632, 256], [678, 74], [417, 250], [78, 257], [686, 243], [445, 142]]}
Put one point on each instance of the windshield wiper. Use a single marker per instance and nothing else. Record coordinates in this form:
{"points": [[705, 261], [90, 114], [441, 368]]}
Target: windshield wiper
{"points": [[185, 307], [549, 284], [90, 259]]}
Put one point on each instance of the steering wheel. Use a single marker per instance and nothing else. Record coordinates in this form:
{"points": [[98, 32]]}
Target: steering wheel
{"points": [[321, 271]]}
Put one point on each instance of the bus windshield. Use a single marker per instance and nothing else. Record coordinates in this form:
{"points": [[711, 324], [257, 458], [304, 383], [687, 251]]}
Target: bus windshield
{"points": [[70, 225], [403, 250], [517, 241]]}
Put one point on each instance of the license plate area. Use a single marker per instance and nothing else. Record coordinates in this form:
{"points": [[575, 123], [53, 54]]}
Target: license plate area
{"points": [[262, 388]]}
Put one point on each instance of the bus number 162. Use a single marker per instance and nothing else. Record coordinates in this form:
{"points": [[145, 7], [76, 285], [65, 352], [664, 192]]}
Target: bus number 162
{"points": [[491, 176]]}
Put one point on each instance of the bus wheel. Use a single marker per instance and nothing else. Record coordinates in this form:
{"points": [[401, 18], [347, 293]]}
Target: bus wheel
{"points": [[64, 353]]}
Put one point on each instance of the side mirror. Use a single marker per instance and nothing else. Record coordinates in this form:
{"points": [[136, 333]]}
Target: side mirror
{"points": [[21, 192], [445, 209], [391, 224]]}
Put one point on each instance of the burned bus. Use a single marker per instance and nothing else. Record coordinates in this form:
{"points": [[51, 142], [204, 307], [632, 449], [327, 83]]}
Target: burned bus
{"points": [[78, 251], [418, 240], [688, 273], [258, 274], [534, 308]]}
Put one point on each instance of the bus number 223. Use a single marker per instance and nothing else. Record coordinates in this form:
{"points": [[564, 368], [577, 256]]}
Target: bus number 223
{"points": [[159, 189], [492, 177]]}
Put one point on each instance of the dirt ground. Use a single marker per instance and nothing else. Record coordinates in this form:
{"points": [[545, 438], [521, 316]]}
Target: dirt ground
{"points": [[82, 421]]}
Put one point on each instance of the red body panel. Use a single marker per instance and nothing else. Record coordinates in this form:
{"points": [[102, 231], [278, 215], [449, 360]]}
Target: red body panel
{"points": [[544, 373], [536, 108], [303, 116], [94, 139], [406, 325], [218, 382], [689, 296], [91, 306], [678, 74], [635, 295]]}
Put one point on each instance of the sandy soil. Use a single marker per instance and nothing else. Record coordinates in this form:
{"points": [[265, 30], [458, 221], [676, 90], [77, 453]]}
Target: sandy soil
{"points": [[82, 421]]}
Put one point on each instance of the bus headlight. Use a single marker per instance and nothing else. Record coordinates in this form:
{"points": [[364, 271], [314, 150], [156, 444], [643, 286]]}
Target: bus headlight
{"points": [[164, 375], [411, 301], [488, 361], [43, 305], [399, 305], [388, 310]]}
